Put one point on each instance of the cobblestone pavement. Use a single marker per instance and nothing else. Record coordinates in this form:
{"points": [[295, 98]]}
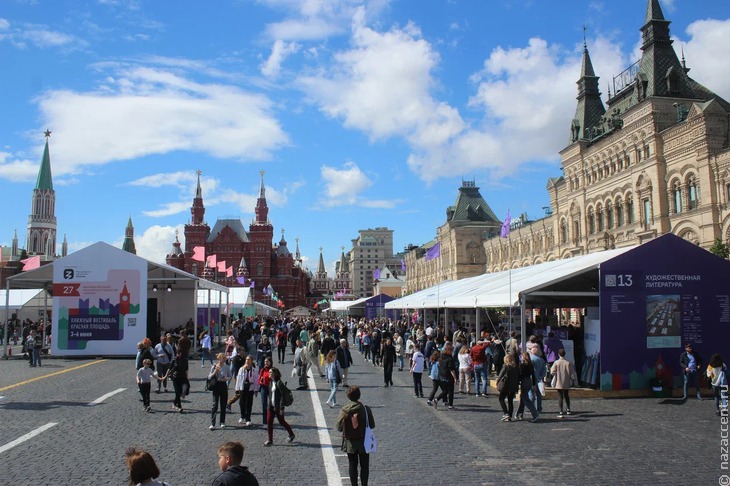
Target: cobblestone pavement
{"points": [[618, 441]]}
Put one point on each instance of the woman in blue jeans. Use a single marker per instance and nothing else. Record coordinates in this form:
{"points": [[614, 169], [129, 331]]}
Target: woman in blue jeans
{"points": [[264, 381], [334, 376]]}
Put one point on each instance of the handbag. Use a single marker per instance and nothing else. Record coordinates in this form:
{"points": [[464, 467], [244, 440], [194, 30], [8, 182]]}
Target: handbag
{"points": [[501, 383], [370, 442], [210, 384]]}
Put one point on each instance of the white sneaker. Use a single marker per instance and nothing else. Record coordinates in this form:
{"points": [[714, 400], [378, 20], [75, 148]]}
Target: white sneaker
{"points": [[223, 426], [211, 427], [248, 423], [241, 421]]}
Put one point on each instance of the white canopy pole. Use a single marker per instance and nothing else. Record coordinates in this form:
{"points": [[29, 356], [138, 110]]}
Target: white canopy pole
{"points": [[195, 317], [523, 322], [7, 318]]}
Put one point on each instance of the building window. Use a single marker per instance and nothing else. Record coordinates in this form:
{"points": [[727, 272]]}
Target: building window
{"points": [[599, 218], [563, 232], [609, 216], [591, 222], [630, 210], [677, 194], [692, 194], [620, 213], [647, 212], [727, 192], [259, 268]]}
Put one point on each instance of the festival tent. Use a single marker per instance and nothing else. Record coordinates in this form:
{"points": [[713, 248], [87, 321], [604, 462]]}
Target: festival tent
{"points": [[26, 303], [105, 299], [345, 305]]}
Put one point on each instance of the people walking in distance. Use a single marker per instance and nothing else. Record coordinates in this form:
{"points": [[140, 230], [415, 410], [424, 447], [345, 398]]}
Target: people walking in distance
{"points": [[398, 343], [281, 345], [551, 347], [230, 343], [388, 357], [465, 370], [690, 364], [144, 382], [447, 374], [528, 384], [345, 359], [276, 407], [478, 354], [264, 382], [312, 350], [34, 350], [375, 342], [221, 374], [206, 347], [538, 364], [417, 363], [164, 353], [497, 352], [247, 386], [511, 376], [435, 379], [351, 422], [564, 374], [410, 348], [334, 376], [263, 351], [230, 456], [300, 361], [717, 375], [142, 468], [328, 343], [177, 373]]}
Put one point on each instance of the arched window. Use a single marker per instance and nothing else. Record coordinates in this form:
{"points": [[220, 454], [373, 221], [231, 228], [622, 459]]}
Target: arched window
{"points": [[630, 210], [677, 197], [619, 213], [563, 232], [609, 215], [692, 193], [591, 222], [259, 268], [599, 217]]}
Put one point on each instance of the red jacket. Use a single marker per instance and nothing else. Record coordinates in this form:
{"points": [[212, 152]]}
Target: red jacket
{"points": [[477, 353]]}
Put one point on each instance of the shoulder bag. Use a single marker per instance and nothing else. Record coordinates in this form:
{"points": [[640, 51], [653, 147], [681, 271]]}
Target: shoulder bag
{"points": [[370, 442]]}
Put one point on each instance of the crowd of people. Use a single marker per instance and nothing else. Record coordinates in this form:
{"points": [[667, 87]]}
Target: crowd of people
{"points": [[458, 362]]}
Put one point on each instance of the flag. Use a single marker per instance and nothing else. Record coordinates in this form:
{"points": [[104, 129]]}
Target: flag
{"points": [[505, 226], [434, 252], [211, 261], [241, 280], [222, 266], [31, 263], [376, 274], [229, 271], [253, 284], [403, 265], [199, 253]]}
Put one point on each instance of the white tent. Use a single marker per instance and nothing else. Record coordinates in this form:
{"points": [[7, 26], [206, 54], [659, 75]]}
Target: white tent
{"points": [[344, 305], [26, 303]]}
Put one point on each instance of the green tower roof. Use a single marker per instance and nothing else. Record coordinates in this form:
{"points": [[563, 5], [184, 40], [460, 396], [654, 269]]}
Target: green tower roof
{"points": [[45, 179]]}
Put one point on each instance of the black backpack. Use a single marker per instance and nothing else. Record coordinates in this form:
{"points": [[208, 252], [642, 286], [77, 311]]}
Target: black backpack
{"points": [[287, 397]]}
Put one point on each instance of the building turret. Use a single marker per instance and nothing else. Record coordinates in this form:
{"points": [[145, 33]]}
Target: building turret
{"points": [[262, 210], [14, 255], [590, 108], [64, 246], [176, 257]]}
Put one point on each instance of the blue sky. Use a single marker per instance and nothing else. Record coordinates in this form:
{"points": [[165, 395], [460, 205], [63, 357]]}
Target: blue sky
{"points": [[362, 113]]}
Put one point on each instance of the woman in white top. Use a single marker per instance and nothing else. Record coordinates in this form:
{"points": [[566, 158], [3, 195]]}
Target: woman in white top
{"points": [[247, 383], [465, 370], [221, 373], [206, 345], [418, 362]]}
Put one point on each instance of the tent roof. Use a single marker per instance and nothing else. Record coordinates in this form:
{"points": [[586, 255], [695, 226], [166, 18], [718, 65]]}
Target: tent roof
{"points": [[341, 305], [19, 297], [236, 296], [156, 273], [503, 289]]}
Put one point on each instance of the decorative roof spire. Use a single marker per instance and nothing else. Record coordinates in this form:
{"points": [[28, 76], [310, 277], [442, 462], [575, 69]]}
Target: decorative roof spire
{"points": [[45, 178], [297, 255], [343, 262], [64, 246], [128, 244], [321, 267], [590, 108], [198, 190], [653, 11], [262, 188], [262, 210]]}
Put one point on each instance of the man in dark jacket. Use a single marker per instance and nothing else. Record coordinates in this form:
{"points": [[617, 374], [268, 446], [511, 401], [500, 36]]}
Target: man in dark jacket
{"points": [[388, 361], [230, 456], [690, 363], [345, 358]]}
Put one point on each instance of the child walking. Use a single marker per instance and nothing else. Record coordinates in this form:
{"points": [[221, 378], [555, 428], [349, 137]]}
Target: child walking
{"points": [[144, 381]]}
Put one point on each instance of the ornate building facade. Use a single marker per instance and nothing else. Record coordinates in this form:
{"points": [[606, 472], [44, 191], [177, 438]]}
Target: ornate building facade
{"points": [[654, 160], [252, 254], [457, 251]]}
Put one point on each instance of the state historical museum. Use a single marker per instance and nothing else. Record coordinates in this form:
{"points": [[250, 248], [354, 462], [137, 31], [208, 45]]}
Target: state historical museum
{"points": [[254, 261]]}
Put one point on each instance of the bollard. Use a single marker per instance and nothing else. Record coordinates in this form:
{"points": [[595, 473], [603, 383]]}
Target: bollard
{"points": [[10, 351]]}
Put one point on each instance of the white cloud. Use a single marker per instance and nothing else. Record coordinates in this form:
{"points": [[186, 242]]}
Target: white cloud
{"points": [[156, 111], [705, 52], [168, 209], [343, 186], [181, 179], [156, 242], [17, 170], [382, 86], [279, 52], [4, 24], [22, 34]]}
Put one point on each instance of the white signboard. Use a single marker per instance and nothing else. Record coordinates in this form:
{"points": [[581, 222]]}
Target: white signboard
{"points": [[99, 302]]}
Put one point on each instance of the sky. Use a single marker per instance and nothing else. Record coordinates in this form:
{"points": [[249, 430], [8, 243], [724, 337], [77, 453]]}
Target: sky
{"points": [[362, 113]]}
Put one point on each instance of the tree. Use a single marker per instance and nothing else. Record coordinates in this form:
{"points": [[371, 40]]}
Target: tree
{"points": [[720, 249]]}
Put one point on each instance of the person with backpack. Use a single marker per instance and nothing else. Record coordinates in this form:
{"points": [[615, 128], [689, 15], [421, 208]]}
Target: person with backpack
{"points": [[281, 345], [279, 397], [351, 422], [717, 376]]}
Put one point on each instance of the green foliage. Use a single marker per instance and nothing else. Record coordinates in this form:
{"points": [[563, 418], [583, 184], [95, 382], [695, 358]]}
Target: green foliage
{"points": [[720, 249]]}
